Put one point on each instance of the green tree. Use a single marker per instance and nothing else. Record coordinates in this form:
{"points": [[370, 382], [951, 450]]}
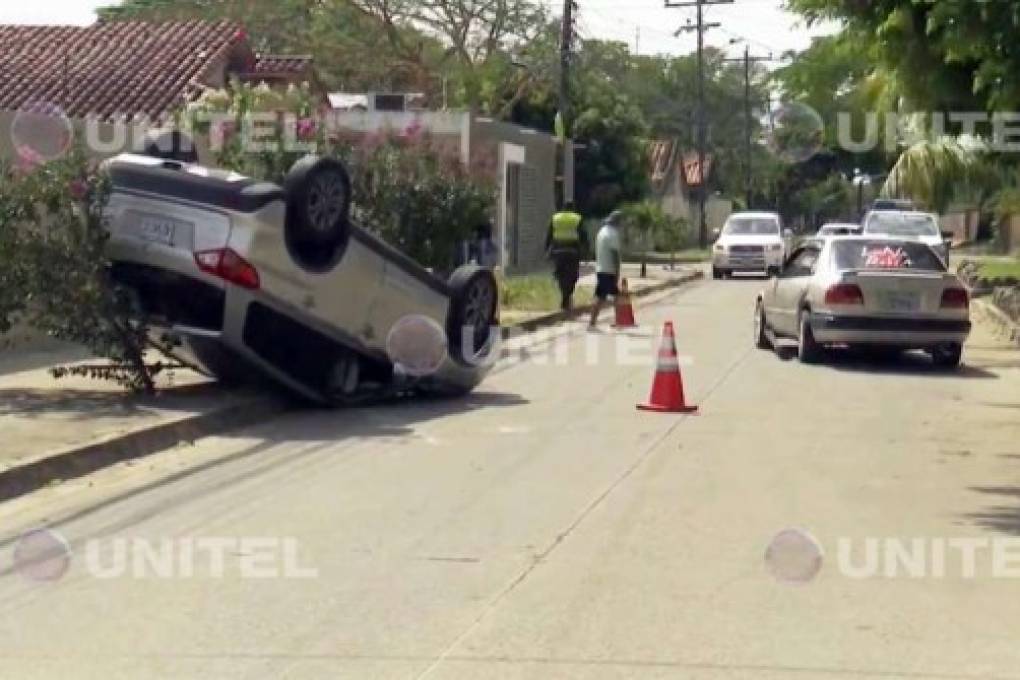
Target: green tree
{"points": [[950, 55], [933, 173]]}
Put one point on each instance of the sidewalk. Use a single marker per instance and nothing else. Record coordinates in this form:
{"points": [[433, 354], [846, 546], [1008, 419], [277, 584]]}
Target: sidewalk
{"points": [[58, 429]]}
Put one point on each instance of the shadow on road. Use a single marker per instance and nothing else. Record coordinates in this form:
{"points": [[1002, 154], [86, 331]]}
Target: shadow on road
{"points": [[1001, 518], [317, 429], [895, 363]]}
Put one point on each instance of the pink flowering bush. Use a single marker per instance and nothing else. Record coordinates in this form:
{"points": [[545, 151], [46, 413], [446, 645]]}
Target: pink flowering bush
{"points": [[411, 190], [54, 273]]}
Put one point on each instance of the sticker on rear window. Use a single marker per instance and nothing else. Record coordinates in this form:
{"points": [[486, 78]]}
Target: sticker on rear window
{"points": [[886, 257]]}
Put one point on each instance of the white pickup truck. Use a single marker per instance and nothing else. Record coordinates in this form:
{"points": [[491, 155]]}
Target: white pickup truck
{"points": [[750, 242]]}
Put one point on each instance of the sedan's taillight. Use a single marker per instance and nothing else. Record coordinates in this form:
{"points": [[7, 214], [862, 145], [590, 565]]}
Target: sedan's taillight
{"points": [[955, 298], [844, 294], [224, 263]]}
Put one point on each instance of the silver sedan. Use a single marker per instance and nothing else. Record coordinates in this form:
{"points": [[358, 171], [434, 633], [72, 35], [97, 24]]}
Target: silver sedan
{"points": [[865, 291]]}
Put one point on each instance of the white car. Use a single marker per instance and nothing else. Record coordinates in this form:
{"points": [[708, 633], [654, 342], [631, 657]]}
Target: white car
{"points": [[277, 280], [838, 229], [865, 292], [911, 224], [750, 242]]}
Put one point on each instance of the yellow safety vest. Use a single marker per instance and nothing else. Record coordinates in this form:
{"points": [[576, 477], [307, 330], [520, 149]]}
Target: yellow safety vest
{"points": [[565, 226]]}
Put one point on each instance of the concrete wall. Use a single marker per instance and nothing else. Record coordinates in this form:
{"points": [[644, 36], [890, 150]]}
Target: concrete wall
{"points": [[963, 223], [536, 155]]}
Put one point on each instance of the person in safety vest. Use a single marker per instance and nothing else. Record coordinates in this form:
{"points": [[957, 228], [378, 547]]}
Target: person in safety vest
{"points": [[566, 242]]}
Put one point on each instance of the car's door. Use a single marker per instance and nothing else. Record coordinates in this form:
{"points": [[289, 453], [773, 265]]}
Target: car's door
{"points": [[789, 288]]}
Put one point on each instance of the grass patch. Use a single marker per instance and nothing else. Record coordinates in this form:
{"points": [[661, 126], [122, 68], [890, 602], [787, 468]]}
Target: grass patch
{"points": [[537, 293], [1000, 269]]}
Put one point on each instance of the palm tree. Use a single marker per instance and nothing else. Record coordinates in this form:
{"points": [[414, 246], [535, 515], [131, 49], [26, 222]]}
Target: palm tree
{"points": [[934, 173]]}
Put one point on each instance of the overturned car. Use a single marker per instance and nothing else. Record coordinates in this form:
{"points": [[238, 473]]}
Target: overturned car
{"points": [[254, 279]]}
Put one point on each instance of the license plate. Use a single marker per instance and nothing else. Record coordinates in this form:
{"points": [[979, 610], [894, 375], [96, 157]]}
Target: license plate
{"points": [[899, 301], [158, 230]]}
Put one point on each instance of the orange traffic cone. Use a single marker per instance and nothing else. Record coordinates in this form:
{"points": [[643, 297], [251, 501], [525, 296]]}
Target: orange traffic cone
{"points": [[624, 308], [668, 389]]}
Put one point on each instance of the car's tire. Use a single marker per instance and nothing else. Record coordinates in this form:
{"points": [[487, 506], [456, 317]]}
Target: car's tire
{"points": [[761, 335], [947, 356], [808, 350], [773, 272], [474, 309], [171, 145], [716, 273], [318, 194]]}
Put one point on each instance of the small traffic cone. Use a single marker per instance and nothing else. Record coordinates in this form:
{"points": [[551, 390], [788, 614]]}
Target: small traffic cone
{"points": [[624, 308], [668, 389]]}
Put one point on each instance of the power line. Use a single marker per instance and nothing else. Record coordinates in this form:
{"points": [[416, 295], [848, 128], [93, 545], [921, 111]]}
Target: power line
{"points": [[701, 27], [748, 60]]}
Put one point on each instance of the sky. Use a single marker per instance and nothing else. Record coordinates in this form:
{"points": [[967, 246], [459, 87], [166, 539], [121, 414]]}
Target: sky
{"points": [[764, 25]]}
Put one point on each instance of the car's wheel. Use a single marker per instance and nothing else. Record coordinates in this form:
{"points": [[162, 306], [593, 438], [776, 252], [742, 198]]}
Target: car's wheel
{"points": [[808, 350], [318, 201], [772, 272], [948, 355], [474, 312], [761, 336], [716, 273]]}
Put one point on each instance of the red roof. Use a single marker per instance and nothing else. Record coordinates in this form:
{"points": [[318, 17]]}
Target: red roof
{"points": [[281, 65], [111, 69]]}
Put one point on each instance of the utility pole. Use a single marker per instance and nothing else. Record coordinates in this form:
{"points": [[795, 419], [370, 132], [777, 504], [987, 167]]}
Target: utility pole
{"points": [[566, 54], [748, 121], [701, 27]]}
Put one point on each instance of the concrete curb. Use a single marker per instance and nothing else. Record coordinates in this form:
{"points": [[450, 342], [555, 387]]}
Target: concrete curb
{"points": [[532, 325], [79, 461], [82, 460], [999, 319]]}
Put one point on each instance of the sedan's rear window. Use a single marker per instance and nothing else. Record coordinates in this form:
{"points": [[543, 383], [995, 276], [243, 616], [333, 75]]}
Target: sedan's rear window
{"points": [[887, 255]]}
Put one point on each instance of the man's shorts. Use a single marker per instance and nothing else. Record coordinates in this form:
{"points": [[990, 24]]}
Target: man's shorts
{"points": [[606, 287]]}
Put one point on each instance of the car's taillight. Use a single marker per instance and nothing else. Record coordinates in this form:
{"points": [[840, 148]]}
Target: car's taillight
{"points": [[955, 298], [229, 266], [844, 294]]}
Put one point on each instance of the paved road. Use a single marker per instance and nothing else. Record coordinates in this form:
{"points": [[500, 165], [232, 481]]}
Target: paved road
{"points": [[546, 529]]}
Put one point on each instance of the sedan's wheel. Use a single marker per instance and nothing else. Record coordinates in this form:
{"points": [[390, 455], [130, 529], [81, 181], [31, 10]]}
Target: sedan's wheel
{"points": [[761, 336], [474, 312], [808, 351], [716, 273], [948, 355]]}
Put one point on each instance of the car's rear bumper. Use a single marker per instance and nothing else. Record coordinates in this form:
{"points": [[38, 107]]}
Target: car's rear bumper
{"points": [[905, 332]]}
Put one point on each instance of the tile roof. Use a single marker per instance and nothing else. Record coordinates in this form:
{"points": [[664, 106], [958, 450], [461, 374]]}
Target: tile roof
{"points": [[111, 69], [279, 64]]}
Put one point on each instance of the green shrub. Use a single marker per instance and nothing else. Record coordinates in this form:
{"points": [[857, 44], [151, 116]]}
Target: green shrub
{"points": [[54, 274], [406, 188], [647, 221]]}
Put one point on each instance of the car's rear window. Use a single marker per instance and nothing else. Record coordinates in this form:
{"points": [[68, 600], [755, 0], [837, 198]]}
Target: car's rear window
{"points": [[887, 255], [902, 224], [757, 226]]}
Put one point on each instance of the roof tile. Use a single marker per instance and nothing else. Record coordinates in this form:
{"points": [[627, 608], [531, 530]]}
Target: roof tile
{"points": [[111, 69]]}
